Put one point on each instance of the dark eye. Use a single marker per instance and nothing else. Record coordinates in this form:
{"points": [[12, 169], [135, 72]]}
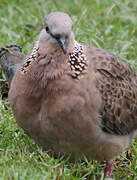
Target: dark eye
{"points": [[47, 29]]}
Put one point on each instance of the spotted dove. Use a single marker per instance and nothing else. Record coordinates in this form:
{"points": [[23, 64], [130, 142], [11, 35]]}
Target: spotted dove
{"points": [[75, 99], [10, 59]]}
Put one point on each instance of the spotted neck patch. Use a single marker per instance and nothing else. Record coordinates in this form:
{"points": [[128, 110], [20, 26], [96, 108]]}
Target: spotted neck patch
{"points": [[32, 57], [77, 61]]}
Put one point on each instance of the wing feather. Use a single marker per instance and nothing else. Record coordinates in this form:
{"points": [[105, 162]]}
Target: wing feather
{"points": [[117, 84]]}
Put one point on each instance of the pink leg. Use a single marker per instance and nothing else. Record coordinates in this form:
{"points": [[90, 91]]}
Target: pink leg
{"points": [[108, 170]]}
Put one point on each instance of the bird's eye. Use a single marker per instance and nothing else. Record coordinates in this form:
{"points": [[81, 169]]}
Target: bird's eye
{"points": [[47, 29]]}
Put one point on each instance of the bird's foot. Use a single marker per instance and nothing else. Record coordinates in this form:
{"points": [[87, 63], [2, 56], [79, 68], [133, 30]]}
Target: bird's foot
{"points": [[108, 171]]}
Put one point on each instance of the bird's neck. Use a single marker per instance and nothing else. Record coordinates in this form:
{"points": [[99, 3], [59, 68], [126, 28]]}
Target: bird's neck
{"points": [[43, 65]]}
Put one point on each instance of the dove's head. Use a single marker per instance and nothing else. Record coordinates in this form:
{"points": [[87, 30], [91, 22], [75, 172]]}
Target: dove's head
{"points": [[58, 30]]}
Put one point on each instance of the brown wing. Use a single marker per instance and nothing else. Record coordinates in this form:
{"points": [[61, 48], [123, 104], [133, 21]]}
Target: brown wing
{"points": [[117, 84]]}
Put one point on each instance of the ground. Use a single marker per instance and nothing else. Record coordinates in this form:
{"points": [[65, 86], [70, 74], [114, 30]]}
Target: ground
{"points": [[109, 24]]}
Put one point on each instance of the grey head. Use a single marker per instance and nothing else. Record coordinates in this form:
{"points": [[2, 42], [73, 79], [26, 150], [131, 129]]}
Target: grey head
{"points": [[58, 30]]}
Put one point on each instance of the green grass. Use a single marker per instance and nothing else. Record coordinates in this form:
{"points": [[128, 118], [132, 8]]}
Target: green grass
{"points": [[109, 24]]}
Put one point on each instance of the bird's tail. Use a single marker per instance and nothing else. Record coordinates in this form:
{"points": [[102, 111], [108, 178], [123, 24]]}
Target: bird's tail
{"points": [[10, 59]]}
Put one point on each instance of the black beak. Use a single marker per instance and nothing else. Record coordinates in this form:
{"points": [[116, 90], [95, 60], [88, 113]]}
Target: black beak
{"points": [[63, 44]]}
